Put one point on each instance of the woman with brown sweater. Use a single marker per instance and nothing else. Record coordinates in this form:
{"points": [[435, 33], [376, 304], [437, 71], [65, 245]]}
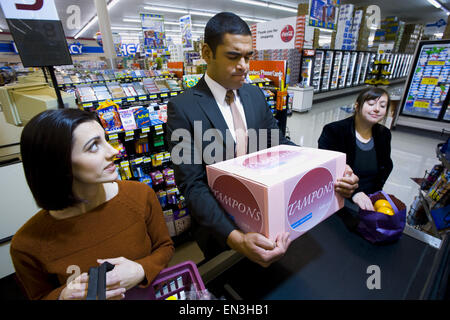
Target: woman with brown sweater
{"points": [[87, 216]]}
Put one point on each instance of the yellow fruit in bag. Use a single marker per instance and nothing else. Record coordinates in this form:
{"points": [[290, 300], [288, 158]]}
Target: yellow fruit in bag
{"points": [[382, 203], [386, 210]]}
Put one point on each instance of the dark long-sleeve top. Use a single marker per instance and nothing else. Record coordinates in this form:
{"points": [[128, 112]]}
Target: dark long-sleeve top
{"points": [[340, 136]]}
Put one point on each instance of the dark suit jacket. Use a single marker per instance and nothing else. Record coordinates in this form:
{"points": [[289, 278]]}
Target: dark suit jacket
{"points": [[340, 136], [198, 104]]}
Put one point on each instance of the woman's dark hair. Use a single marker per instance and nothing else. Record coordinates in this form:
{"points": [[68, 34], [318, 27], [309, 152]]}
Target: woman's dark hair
{"points": [[371, 93], [46, 148], [222, 23]]}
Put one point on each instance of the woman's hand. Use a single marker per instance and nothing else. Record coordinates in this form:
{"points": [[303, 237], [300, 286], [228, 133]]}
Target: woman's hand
{"points": [[363, 201], [346, 185], [78, 287], [126, 272]]}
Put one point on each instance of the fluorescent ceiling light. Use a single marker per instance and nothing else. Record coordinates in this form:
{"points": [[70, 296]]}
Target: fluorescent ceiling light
{"points": [[202, 13], [283, 8], [94, 19], [126, 28], [165, 9], [268, 5], [253, 19], [256, 3], [441, 34], [435, 3], [131, 20]]}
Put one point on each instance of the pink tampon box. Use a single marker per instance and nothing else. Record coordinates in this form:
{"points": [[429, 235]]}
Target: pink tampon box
{"points": [[283, 188]]}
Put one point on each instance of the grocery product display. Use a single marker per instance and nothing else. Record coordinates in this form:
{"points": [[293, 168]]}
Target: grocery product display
{"points": [[429, 82]]}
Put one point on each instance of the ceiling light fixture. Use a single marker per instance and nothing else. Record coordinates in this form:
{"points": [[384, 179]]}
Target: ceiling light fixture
{"points": [[269, 5], [126, 28], [435, 3], [165, 9], [94, 19]]}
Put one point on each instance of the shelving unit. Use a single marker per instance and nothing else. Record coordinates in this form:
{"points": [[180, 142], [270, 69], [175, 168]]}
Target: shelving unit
{"points": [[429, 232]]}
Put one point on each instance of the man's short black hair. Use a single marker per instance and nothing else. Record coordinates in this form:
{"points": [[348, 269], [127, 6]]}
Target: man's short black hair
{"points": [[46, 149], [222, 23]]}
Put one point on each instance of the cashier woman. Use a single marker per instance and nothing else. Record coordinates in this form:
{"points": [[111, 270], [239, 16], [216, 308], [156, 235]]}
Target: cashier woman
{"points": [[367, 145]]}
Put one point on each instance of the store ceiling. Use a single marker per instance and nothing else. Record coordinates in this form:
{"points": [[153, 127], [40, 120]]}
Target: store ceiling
{"points": [[411, 11]]}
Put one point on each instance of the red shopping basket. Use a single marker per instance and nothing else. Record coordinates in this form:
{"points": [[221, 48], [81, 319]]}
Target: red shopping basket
{"points": [[173, 281]]}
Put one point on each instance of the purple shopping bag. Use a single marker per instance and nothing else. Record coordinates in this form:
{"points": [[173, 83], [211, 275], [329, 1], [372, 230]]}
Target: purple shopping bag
{"points": [[378, 227]]}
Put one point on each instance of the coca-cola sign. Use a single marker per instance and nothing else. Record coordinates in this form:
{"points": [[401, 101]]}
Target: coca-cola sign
{"points": [[237, 200], [287, 33], [311, 199]]}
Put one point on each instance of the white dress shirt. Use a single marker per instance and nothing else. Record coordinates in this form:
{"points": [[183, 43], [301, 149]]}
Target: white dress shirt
{"points": [[219, 94]]}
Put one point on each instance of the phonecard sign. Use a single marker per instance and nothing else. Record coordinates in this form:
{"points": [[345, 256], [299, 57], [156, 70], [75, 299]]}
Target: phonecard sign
{"points": [[37, 32]]}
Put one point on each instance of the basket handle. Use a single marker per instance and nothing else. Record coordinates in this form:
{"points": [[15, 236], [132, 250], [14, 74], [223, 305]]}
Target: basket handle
{"points": [[388, 198]]}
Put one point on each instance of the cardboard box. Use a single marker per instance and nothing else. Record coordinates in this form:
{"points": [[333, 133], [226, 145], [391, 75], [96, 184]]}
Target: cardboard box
{"points": [[283, 188]]}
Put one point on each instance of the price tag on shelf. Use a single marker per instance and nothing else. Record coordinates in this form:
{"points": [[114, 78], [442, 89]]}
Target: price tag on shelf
{"points": [[421, 104], [172, 94], [117, 101], [143, 98], [131, 99], [153, 96], [87, 105], [145, 129], [139, 160], [429, 81], [436, 63], [163, 95], [147, 159], [129, 133], [113, 136]]}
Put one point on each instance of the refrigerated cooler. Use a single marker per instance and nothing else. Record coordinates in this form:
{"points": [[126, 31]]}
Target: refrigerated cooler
{"points": [[336, 70], [426, 94], [327, 65], [352, 68], [307, 67], [343, 74], [317, 70]]}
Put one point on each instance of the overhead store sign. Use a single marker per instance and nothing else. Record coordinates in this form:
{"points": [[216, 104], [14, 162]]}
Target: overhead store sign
{"points": [[153, 30], [186, 32], [273, 70], [277, 34], [37, 32], [323, 13]]}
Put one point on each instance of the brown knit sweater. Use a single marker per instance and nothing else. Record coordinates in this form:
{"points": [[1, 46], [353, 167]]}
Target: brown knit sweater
{"points": [[130, 225]]}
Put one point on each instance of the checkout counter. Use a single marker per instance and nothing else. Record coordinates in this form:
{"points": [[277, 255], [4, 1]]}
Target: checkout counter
{"points": [[331, 262]]}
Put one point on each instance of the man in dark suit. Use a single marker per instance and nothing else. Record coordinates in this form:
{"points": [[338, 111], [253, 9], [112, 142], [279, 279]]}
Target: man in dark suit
{"points": [[223, 109]]}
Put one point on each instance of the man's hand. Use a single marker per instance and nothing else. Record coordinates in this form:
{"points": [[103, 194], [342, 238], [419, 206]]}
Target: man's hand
{"points": [[363, 201], [346, 185], [258, 248]]}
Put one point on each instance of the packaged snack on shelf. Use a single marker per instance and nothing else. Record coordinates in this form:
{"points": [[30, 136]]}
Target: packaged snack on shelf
{"points": [[147, 180], [116, 144], [172, 195], [157, 177], [182, 220], [168, 216], [138, 86], [168, 173], [157, 159], [124, 170], [162, 197], [116, 90], [141, 145], [142, 117], [162, 113], [127, 118], [109, 116], [85, 93]]}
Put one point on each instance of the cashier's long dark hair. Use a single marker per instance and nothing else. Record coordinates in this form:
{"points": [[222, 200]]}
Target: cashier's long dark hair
{"points": [[46, 149]]}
